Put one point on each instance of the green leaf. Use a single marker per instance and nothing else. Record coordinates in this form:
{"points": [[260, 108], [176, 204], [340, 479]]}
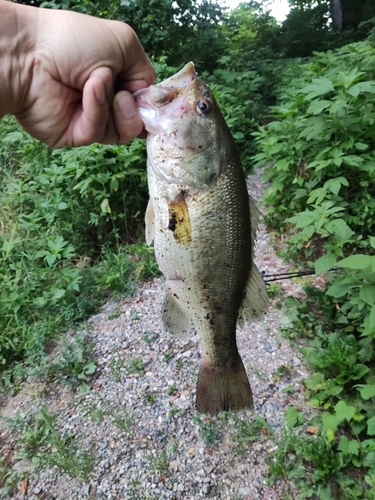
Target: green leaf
{"points": [[361, 146], [330, 422], [342, 231], [58, 294], [319, 86], [293, 417], [358, 261], [301, 220], [368, 391], [338, 289], [372, 317], [367, 294], [372, 241], [314, 128], [317, 107], [325, 263], [104, 206], [361, 87], [324, 492], [371, 426], [343, 411], [359, 371], [90, 368], [348, 446], [314, 382]]}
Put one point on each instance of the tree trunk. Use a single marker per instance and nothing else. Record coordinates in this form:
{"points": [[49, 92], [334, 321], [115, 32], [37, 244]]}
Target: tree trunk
{"points": [[336, 14]]}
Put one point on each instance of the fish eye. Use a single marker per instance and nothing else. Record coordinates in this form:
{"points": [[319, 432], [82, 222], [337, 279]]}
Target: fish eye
{"points": [[204, 107]]}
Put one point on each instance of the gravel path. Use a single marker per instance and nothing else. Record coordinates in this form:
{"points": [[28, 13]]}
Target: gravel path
{"points": [[139, 420]]}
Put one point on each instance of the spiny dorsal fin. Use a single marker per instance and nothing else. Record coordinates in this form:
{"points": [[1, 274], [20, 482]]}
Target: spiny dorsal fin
{"points": [[174, 317], [150, 223]]}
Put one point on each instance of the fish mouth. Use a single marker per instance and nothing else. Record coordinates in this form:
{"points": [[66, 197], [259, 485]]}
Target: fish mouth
{"points": [[151, 100], [169, 87], [186, 76]]}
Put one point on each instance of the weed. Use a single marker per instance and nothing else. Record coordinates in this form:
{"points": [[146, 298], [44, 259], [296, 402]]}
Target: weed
{"points": [[281, 372], [114, 315], [171, 389], [274, 289], [149, 337], [159, 461], [73, 365], [42, 443], [122, 420], [103, 408], [175, 411], [135, 365], [9, 479], [149, 397], [168, 355], [208, 429], [117, 367], [246, 431]]}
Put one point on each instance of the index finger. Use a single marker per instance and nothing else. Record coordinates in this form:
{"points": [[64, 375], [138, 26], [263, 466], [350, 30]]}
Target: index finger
{"points": [[137, 71]]}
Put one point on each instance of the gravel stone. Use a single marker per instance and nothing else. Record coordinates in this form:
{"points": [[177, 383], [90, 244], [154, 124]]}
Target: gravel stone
{"points": [[149, 444]]}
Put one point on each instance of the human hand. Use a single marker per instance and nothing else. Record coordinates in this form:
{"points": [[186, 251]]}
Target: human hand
{"points": [[81, 71]]}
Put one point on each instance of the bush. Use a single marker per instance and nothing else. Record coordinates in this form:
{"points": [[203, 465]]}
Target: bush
{"points": [[320, 152]]}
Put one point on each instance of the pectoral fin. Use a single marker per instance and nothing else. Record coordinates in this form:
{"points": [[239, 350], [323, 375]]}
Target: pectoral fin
{"points": [[150, 223], [174, 317]]}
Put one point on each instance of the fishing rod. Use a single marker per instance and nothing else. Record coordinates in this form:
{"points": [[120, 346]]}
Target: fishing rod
{"points": [[293, 274]]}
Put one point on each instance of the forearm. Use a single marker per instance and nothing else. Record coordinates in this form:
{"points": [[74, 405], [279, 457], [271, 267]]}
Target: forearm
{"points": [[18, 26]]}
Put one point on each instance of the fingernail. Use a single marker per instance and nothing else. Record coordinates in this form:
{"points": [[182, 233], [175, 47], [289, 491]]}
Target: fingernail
{"points": [[127, 106]]}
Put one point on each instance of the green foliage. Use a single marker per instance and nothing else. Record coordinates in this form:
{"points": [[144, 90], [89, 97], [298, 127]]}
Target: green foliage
{"points": [[322, 149], [208, 429], [42, 443], [66, 218], [72, 365], [320, 164], [135, 365], [341, 351]]}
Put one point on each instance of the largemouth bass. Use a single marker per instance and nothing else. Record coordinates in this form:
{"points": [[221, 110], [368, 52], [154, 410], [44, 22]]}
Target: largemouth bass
{"points": [[203, 226]]}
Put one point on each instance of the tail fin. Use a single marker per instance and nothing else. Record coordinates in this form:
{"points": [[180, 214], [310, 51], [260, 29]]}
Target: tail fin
{"points": [[222, 389]]}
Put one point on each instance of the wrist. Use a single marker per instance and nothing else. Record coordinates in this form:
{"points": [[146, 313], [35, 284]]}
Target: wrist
{"points": [[17, 35]]}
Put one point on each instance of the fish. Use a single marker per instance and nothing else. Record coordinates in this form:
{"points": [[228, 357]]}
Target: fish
{"points": [[203, 225]]}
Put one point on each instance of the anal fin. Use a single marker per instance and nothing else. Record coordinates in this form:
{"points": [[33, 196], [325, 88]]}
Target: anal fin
{"points": [[255, 302], [223, 389], [174, 317], [150, 223]]}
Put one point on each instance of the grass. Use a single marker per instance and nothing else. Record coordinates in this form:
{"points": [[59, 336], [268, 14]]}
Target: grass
{"points": [[41, 442]]}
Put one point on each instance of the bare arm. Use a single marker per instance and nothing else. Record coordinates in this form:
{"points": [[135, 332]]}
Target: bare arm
{"points": [[68, 77]]}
